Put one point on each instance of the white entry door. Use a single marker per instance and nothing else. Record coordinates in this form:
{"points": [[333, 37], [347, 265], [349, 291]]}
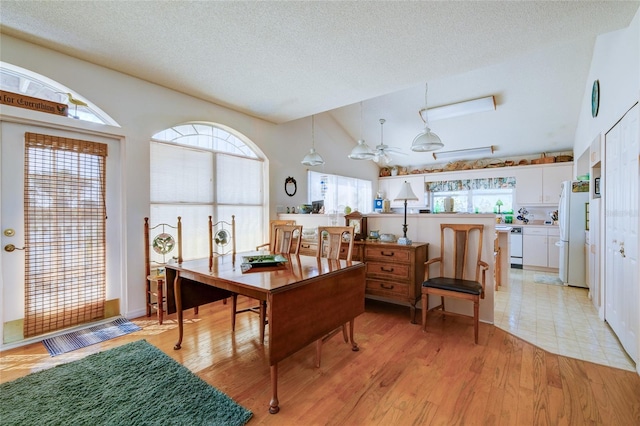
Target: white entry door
{"points": [[622, 281], [12, 221]]}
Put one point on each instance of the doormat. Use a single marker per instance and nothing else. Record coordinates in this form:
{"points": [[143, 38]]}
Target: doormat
{"points": [[547, 279], [89, 336], [132, 384]]}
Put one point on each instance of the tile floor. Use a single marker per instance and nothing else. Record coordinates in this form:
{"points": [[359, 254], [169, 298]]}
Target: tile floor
{"points": [[556, 318]]}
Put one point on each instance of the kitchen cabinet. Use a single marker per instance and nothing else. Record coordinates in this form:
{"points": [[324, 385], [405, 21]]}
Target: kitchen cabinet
{"points": [[553, 251], [391, 187], [539, 248], [540, 185], [534, 247]]}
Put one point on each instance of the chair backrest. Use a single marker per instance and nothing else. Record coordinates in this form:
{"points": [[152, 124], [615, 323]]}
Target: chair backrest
{"points": [[272, 232], [330, 239], [288, 239], [222, 238], [165, 238], [461, 251]]}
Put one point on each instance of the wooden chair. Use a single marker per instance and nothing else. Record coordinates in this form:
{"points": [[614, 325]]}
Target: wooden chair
{"points": [[272, 233], [330, 246], [163, 244], [287, 240], [222, 239], [462, 273]]}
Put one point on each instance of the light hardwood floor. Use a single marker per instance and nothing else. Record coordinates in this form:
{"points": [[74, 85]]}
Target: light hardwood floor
{"points": [[400, 376]]}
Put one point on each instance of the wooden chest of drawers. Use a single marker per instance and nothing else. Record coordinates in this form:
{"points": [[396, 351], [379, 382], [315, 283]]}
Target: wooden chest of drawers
{"points": [[394, 272]]}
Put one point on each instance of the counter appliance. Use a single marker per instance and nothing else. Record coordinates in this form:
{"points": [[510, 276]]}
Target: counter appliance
{"points": [[572, 222], [515, 243]]}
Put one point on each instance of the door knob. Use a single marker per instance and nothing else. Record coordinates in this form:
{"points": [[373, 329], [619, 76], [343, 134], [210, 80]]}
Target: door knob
{"points": [[622, 250], [11, 247]]}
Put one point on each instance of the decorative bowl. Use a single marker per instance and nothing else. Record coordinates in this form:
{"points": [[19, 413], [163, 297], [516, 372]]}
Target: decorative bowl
{"points": [[387, 238], [305, 208]]}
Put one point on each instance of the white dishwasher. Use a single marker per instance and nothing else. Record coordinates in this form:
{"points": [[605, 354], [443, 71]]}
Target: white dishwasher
{"points": [[515, 242]]}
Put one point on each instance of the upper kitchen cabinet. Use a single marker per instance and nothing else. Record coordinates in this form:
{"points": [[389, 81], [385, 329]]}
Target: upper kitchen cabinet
{"points": [[540, 185], [391, 186]]}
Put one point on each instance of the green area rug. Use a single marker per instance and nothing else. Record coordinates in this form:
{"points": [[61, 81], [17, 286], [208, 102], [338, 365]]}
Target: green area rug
{"points": [[134, 384]]}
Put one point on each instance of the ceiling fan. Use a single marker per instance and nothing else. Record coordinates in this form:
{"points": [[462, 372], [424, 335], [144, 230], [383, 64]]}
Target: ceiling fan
{"points": [[382, 153]]}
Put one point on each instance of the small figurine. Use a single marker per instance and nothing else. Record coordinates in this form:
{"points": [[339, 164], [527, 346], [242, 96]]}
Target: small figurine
{"points": [[523, 215]]}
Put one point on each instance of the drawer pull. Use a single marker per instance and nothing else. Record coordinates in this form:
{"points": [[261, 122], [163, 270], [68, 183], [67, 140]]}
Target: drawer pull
{"points": [[387, 287], [305, 245], [383, 269], [389, 254]]}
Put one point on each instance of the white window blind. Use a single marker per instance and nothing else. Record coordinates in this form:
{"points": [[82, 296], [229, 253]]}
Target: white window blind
{"points": [[203, 170]]}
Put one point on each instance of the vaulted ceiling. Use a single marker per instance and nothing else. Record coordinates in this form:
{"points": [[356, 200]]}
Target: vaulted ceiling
{"points": [[359, 61]]}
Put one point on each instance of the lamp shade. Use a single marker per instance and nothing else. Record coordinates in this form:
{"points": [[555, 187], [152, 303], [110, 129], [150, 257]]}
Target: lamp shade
{"points": [[426, 141], [406, 193], [361, 151], [312, 158]]}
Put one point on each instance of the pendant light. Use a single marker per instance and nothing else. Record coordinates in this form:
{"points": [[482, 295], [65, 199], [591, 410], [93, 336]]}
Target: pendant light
{"points": [[362, 150], [313, 158], [426, 140]]}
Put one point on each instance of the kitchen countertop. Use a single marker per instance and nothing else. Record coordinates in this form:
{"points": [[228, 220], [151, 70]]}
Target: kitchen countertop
{"points": [[535, 225]]}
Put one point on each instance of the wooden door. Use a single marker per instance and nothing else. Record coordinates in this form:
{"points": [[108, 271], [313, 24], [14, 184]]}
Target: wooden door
{"points": [[622, 295]]}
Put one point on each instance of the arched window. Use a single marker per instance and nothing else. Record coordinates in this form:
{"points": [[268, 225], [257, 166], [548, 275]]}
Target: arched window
{"points": [[15, 79], [202, 169]]}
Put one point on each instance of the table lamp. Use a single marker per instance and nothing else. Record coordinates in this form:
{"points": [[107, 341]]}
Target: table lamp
{"points": [[406, 194]]}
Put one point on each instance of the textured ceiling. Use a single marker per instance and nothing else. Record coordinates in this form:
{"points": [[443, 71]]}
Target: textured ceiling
{"points": [[282, 61]]}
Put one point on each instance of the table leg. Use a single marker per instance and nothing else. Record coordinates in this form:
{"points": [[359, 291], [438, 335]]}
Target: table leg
{"points": [[263, 315], [273, 404], [178, 296], [354, 345], [413, 313]]}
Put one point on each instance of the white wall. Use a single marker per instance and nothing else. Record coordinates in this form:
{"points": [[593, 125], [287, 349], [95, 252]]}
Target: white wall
{"points": [[616, 64]]}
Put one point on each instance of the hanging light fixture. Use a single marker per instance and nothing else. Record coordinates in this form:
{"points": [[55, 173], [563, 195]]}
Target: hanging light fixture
{"points": [[362, 150], [313, 158], [426, 140]]}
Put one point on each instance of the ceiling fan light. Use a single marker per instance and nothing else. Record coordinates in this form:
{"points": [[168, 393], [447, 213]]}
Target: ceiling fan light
{"points": [[426, 141], [312, 158], [361, 151]]}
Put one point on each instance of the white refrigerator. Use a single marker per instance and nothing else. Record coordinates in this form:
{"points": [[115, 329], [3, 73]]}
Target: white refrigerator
{"points": [[572, 224]]}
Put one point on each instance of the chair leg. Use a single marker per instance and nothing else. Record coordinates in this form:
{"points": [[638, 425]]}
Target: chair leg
{"points": [[425, 305], [160, 300], [442, 302], [476, 305], [234, 304], [344, 333]]}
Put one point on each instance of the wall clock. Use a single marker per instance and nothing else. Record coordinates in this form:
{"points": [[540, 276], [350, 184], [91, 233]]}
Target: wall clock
{"points": [[595, 98], [359, 224]]}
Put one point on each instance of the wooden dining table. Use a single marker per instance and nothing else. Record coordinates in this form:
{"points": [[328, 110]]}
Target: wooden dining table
{"points": [[307, 297]]}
